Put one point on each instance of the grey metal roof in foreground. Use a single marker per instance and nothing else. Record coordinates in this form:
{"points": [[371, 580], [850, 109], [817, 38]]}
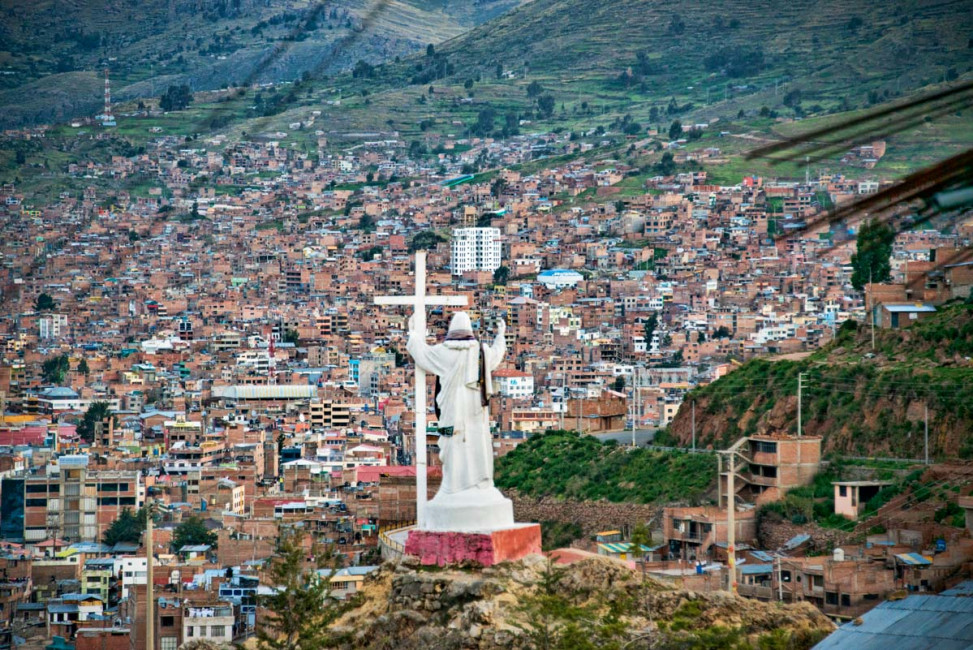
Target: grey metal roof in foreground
{"points": [[915, 623]]}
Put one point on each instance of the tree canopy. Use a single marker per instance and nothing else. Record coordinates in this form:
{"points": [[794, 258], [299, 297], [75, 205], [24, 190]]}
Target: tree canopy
{"points": [[870, 263], [176, 98], [425, 240], [650, 324], [301, 606], [191, 532], [44, 303], [55, 369], [96, 413], [127, 528]]}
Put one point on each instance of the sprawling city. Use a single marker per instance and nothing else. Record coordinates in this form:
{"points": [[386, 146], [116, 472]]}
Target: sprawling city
{"points": [[486, 324]]}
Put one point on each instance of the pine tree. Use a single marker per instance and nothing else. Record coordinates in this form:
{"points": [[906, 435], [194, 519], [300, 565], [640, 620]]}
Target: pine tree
{"points": [[301, 605]]}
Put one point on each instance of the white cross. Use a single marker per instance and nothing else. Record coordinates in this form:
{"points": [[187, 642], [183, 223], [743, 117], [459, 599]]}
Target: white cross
{"points": [[419, 301]]}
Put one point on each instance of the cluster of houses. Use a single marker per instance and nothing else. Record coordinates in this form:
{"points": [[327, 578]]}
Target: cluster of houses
{"points": [[223, 310]]}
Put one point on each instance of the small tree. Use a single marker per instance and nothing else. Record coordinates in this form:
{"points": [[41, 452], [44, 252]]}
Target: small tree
{"points": [[96, 413], [425, 240], [619, 383], [545, 103], [55, 369], [44, 303], [649, 327], [301, 606], [192, 532], [640, 537], [127, 528], [501, 275], [83, 367], [870, 263], [675, 130]]}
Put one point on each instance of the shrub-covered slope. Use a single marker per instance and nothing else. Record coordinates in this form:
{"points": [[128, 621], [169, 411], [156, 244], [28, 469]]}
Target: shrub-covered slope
{"points": [[863, 402], [569, 465]]}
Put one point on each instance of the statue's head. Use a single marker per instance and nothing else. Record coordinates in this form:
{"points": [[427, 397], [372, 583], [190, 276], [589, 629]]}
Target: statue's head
{"points": [[460, 327]]}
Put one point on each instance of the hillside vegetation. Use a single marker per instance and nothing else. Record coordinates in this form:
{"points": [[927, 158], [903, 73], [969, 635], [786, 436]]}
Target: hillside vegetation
{"points": [[862, 402], [826, 55], [569, 465], [152, 44]]}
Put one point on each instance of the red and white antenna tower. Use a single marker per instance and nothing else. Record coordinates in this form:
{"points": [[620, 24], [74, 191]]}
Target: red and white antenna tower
{"points": [[107, 119]]}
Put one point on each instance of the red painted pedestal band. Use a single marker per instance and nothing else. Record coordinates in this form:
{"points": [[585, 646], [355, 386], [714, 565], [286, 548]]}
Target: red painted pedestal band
{"points": [[485, 549]]}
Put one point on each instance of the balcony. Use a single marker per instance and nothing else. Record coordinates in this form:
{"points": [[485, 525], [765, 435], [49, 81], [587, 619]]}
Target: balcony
{"points": [[756, 591]]}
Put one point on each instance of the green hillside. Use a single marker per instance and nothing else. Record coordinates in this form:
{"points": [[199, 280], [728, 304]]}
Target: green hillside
{"points": [[863, 402], [708, 60], [154, 43], [569, 465]]}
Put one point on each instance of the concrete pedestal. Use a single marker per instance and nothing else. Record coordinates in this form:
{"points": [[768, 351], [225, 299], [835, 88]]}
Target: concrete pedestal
{"points": [[485, 548]]}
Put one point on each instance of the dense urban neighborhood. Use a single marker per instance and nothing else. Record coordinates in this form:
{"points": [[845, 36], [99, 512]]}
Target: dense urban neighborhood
{"points": [[733, 407]]}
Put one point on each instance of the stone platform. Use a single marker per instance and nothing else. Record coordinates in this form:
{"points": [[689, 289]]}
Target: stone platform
{"points": [[483, 548]]}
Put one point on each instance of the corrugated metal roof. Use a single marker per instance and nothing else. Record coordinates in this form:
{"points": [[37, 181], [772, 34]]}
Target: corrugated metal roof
{"points": [[915, 623], [910, 308], [756, 569], [914, 559], [964, 588], [288, 391], [623, 547]]}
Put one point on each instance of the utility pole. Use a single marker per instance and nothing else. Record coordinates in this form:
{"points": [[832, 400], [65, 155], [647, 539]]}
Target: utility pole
{"points": [[564, 397], [871, 308], [694, 425], [926, 418], [800, 395], [731, 524], [149, 598], [780, 578]]}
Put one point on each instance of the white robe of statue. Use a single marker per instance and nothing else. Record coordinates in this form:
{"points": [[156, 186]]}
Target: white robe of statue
{"points": [[467, 499]]}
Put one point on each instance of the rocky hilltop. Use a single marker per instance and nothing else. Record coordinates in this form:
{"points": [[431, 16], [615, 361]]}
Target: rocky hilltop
{"points": [[593, 603]]}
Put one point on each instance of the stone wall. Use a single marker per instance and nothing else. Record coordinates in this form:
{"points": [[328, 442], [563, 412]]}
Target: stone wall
{"points": [[592, 516]]}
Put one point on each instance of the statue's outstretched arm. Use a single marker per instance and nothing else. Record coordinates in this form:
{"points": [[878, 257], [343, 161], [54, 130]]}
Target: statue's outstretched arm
{"points": [[425, 356], [499, 347]]}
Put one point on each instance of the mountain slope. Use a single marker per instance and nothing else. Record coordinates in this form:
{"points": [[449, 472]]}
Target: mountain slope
{"points": [[863, 402], [826, 45], [210, 44]]}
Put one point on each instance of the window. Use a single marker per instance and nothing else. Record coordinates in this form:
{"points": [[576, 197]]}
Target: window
{"points": [[830, 598], [817, 582], [842, 490], [845, 600], [167, 621], [168, 643], [765, 447], [785, 576], [217, 630], [190, 631], [35, 503]]}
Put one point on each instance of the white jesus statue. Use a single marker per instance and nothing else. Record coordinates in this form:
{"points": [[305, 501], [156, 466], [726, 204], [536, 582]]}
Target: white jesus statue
{"points": [[467, 500]]}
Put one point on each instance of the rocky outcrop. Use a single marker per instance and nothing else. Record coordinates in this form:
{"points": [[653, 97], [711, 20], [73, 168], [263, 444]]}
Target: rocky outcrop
{"points": [[531, 603], [592, 516]]}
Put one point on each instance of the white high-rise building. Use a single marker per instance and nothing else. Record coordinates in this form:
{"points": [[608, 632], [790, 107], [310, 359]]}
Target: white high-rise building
{"points": [[52, 326], [475, 249]]}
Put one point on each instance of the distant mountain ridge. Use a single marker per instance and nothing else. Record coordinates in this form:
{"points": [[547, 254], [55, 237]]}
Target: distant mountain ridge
{"points": [[53, 52], [828, 49]]}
